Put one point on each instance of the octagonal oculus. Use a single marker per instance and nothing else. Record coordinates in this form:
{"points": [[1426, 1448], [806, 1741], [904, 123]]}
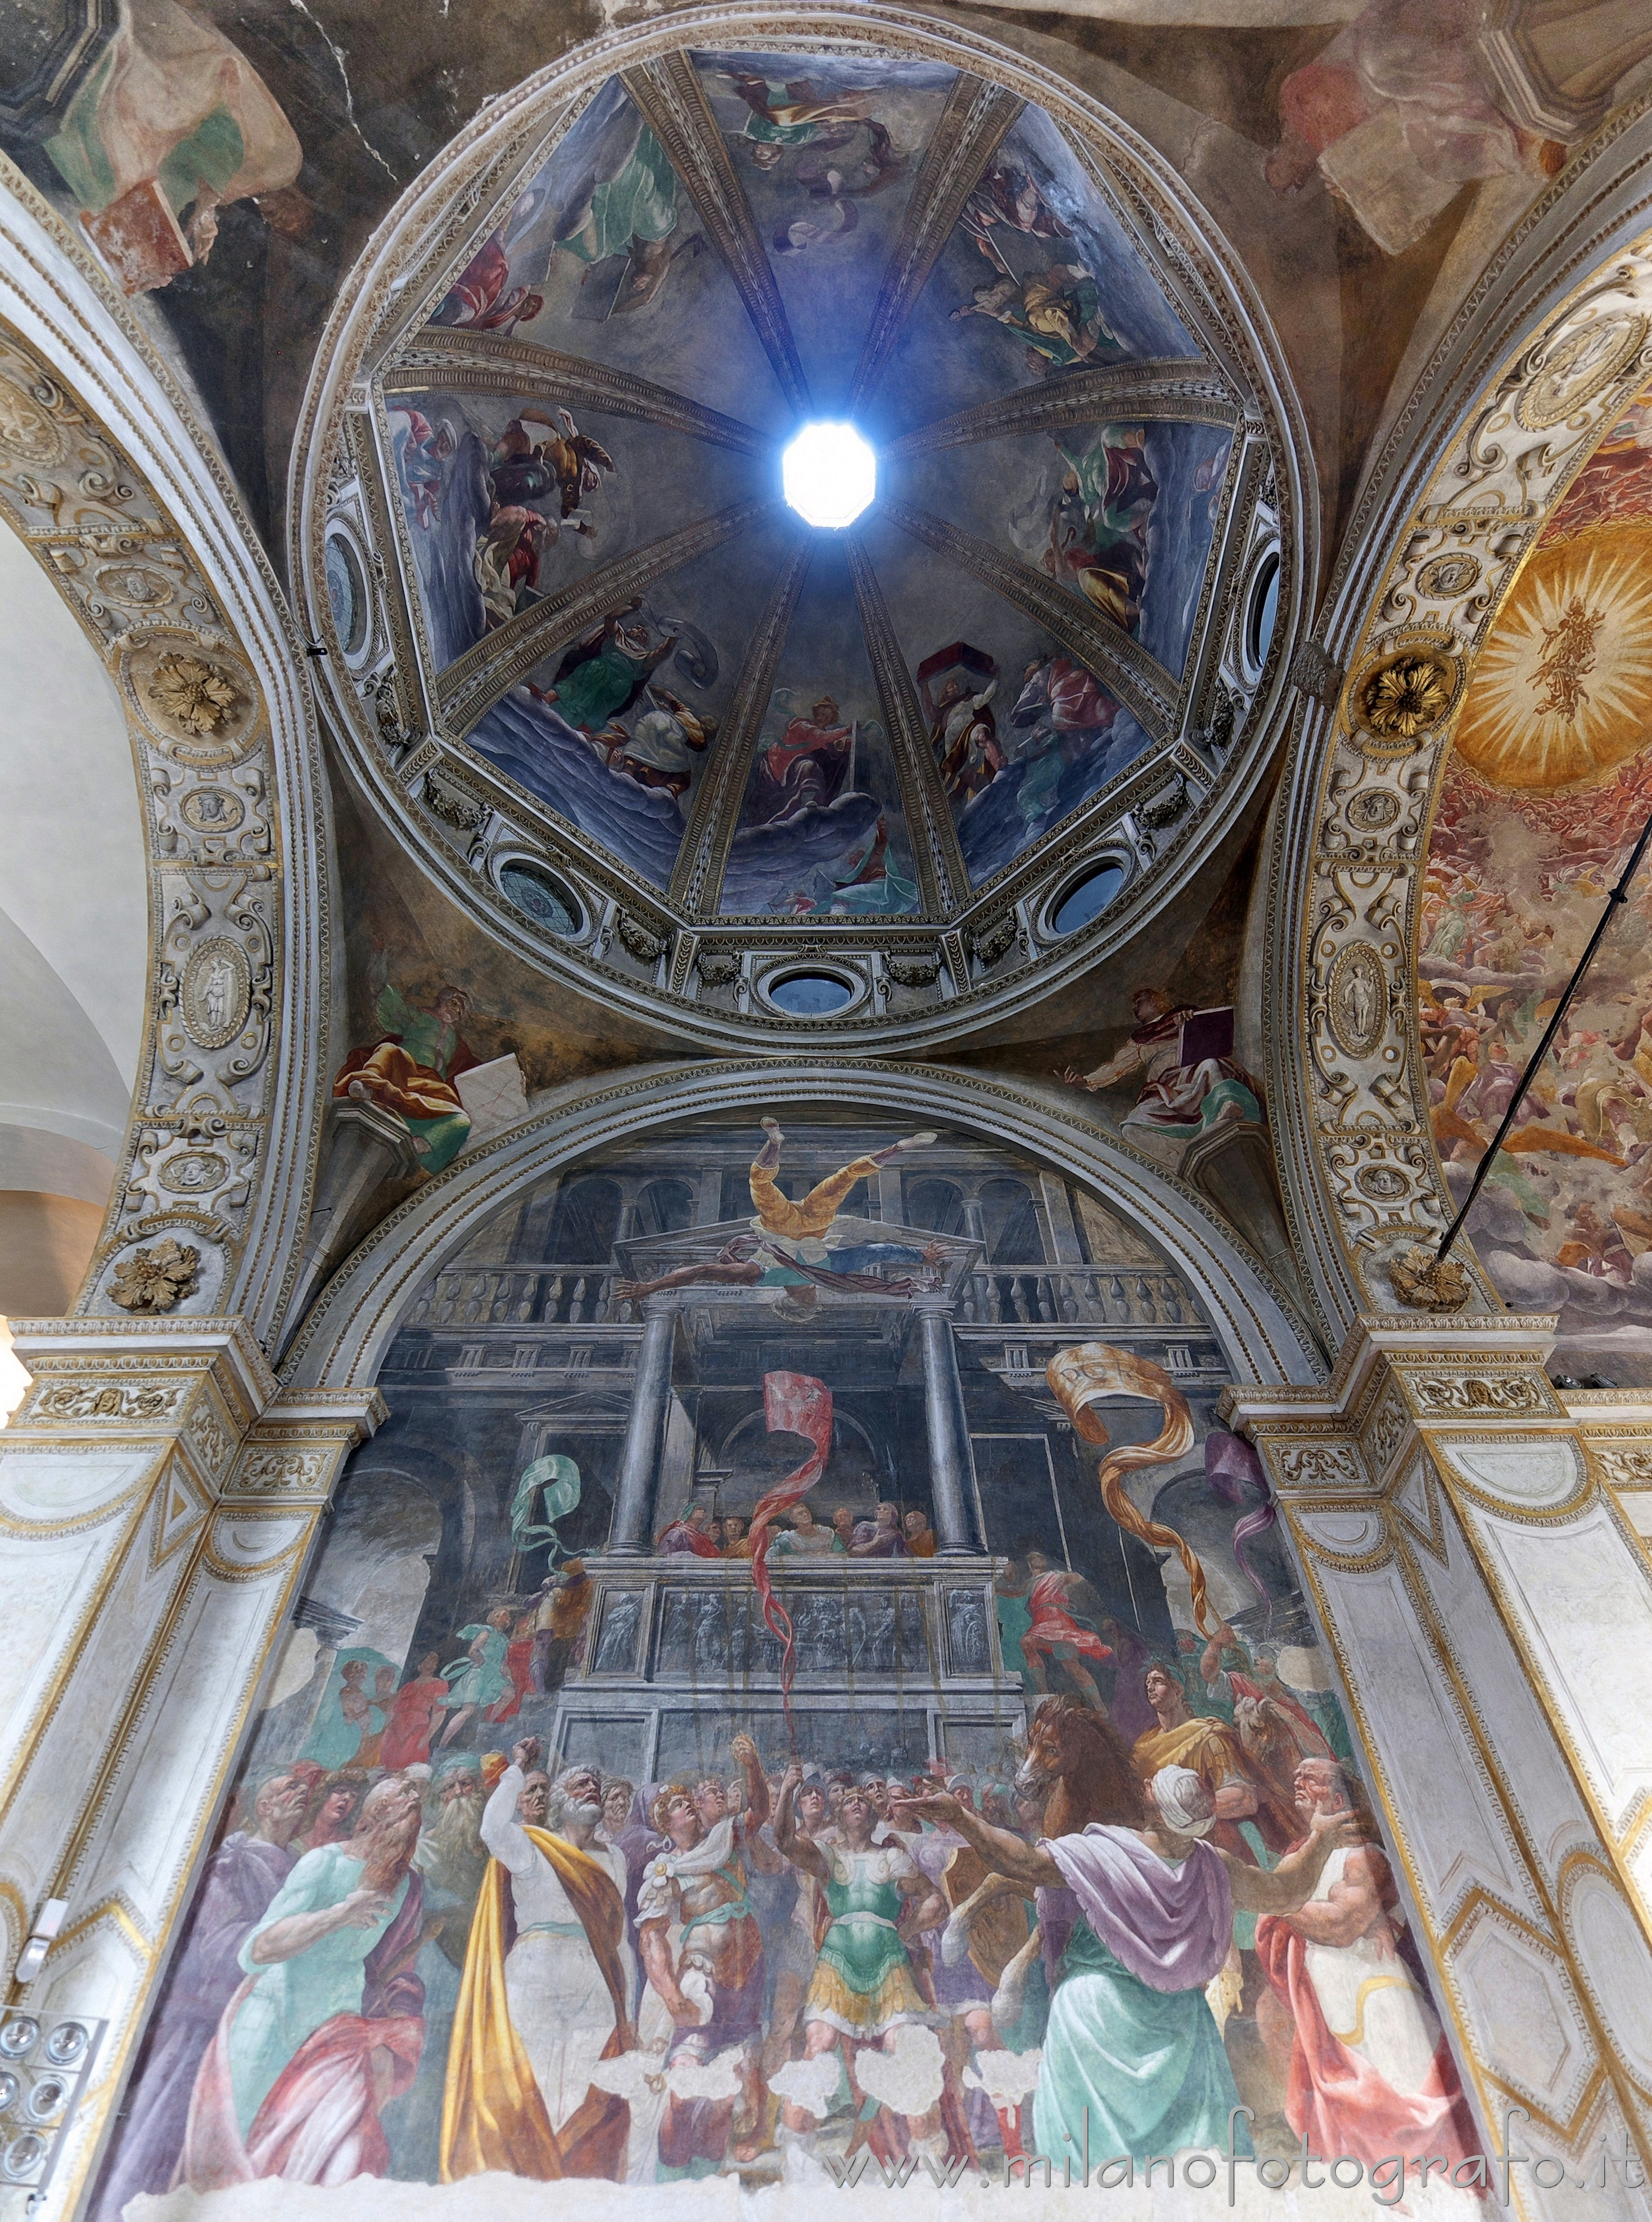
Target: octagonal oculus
{"points": [[830, 473]]}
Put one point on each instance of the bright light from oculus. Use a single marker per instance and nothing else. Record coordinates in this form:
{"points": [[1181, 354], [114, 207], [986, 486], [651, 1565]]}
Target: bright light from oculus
{"points": [[829, 475]]}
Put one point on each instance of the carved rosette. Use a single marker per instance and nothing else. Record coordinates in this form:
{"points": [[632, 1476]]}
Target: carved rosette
{"points": [[1457, 555], [201, 738]]}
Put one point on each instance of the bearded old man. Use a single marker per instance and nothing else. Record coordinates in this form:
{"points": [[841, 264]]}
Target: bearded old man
{"points": [[549, 1989], [242, 1876], [1370, 2071], [329, 2023], [1155, 1908]]}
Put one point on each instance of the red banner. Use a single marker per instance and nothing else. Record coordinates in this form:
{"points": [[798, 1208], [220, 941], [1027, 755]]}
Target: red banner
{"points": [[795, 1404]]}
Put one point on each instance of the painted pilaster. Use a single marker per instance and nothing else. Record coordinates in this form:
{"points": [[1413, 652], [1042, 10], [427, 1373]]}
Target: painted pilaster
{"points": [[1491, 1612], [158, 1498]]}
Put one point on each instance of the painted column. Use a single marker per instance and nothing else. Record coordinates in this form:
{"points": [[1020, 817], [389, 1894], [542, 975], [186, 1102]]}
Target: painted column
{"points": [[951, 1474], [632, 1534], [160, 1497], [1490, 1609]]}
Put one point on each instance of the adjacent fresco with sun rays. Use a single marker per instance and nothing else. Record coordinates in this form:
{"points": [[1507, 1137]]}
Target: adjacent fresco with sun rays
{"points": [[658, 1761], [591, 424], [1549, 784]]}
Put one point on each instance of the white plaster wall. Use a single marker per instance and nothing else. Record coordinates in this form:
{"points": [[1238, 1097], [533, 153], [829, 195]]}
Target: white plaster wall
{"points": [[73, 906]]}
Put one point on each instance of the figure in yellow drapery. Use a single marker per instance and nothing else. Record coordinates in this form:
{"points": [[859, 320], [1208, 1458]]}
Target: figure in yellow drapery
{"points": [[493, 2116]]}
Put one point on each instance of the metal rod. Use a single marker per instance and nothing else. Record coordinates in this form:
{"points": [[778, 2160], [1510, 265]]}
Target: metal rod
{"points": [[1618, 896]]}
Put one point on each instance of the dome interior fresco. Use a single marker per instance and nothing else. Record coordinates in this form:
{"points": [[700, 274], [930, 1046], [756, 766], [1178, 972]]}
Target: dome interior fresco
{"points": [[1546, 789], [661, 672]]}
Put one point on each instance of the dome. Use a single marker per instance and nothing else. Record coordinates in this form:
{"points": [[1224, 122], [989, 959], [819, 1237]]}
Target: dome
{"points": [[742, 775]]}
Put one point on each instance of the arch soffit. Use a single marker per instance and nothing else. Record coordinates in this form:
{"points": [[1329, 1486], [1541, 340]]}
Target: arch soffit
{"points": [[1544, 354], [142, 532], [344, 1340]]}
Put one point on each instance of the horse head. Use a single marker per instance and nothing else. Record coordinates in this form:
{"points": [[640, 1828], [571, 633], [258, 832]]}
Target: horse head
{"points": [[1078, 1755]]}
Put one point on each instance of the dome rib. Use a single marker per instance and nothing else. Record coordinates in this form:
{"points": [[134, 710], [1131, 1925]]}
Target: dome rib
{"points": [[697, 883], [971, 129], [1141, 681], [943, 880], [473, 682], [1178, 390], [486, 362], [673, 103]]}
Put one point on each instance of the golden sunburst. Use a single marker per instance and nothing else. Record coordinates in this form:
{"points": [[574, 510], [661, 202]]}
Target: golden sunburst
{"points": [[1562, 691]]}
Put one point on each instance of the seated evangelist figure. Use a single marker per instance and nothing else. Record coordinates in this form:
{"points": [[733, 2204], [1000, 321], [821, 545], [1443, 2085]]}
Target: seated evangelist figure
{"points": [[1156, 1907]]}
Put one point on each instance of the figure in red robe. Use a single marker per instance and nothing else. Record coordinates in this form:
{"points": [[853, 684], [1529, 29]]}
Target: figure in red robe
{"points": [[1370, 2072]]}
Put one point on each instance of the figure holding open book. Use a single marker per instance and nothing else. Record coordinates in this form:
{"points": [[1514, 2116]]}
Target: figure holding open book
{"points": [[1190, 1080]]}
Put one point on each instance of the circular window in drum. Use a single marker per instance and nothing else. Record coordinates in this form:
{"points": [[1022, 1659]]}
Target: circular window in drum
{"points": [[1263, 614], [1086, 899], [539, 897], [810, 994], [346, 590]]}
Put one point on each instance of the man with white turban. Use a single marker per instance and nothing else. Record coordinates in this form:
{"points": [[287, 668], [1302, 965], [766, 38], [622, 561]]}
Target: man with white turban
{"points": [[1155, 1922]]}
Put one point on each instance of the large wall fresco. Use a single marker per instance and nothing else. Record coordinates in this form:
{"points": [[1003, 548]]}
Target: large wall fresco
{"points": [[1546, 788], [578, 1838]]}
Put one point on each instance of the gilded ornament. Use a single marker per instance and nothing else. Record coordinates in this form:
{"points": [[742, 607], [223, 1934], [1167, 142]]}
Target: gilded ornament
{"points": [[1429, 1284], [193, 694], [1580, 365], [211, 810], [216, 992], [1356, 1000], [193, 1172], [155, 1278], [1405, 696], [1372, 810], [1381, 1183], [26, 429], [1446, 576], [199, 704]]}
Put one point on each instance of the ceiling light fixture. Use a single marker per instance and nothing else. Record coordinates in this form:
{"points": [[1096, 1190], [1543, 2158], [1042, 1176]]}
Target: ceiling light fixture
{"points": [[829, 475]]}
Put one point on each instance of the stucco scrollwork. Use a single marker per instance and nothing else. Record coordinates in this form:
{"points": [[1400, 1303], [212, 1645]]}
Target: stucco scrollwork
{"points": [[1382, 754], [1473, 1392], [114, 1400], [180, 1213]]}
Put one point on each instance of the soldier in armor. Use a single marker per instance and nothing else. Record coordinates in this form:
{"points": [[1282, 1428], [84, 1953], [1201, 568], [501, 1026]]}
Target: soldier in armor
{"points": [[715, 1991]]}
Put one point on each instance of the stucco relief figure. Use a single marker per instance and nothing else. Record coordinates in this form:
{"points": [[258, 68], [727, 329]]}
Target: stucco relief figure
{"points": [[411, 1067], [791, 1248], [1398, 114], [1368, 2066], [549, 1986], [328, 2023], [172, 125], [1176, 1099]]}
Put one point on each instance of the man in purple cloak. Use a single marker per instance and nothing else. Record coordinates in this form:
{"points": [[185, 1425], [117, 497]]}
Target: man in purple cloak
{"points": [[1133, 2063], [243, 1877]]}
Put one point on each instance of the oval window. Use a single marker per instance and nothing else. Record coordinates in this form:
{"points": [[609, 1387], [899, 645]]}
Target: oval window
{"points": [[540, 898], [810, 994], [1087, 898], [1263, 613], [346, 590]]}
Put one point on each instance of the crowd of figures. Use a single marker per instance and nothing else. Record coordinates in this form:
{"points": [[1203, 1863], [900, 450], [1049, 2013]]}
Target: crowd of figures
{"points": [[430, 1967]]}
